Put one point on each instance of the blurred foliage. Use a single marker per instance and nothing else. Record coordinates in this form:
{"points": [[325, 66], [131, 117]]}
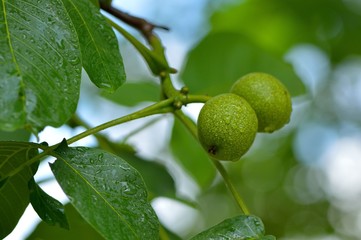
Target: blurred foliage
{"points": [[79, 228], [221, 58], [18, 135], [277, 25], [256, 35], [132, 93], [191, 156]]}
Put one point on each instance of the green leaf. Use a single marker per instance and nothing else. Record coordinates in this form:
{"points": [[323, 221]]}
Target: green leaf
{"points": [[96, 3], [14, 192], [222, 58], [99, 46], [159, 181], [131, 94], [40, 65], [19, 135], [191, 155], [79, 229], [107, 192], [240, 227], [49, 209], [280, 25]]}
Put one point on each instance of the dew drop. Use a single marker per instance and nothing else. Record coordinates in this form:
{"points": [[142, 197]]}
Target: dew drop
{"points": [[100, 157], [74, 61], [61, 44], [128, 189], [105, 85]]}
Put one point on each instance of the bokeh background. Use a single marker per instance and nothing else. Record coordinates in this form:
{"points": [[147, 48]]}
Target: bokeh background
{"points": [[303, 181]]}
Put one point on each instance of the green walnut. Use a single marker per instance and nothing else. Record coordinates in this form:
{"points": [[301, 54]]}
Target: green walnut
{"points": [[268, 97], [227, 126]]}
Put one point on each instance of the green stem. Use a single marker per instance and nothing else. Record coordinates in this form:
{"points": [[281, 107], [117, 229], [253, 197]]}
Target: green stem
{"points": [[164, 106], [46, 152], [231, 187], [167, 86], [156, 65], [190, 125], [195, 99], [144, 126]]}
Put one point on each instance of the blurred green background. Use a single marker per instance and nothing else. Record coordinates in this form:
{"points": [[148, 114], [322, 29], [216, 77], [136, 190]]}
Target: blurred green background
{"points": [[303, 181]]}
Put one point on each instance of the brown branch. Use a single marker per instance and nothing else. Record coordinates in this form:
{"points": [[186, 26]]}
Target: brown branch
{"points": [[144, 27]]}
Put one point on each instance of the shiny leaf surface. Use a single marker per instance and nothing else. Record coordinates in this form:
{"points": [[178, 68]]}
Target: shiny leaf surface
{"points": [[40, 64], [99, 46], [107, 192], [240, 227], [49, 209]]}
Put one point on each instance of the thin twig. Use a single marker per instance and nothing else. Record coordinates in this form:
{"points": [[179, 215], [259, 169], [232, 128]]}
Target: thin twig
{"points": [[143, 26]]}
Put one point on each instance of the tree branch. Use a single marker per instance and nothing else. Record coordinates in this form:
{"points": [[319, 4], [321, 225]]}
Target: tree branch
{"points": [[144, 27]]}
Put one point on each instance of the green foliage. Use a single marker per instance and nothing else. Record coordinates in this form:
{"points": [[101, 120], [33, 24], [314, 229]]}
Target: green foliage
{"points": [[158, 180], [14, 192], [279, 25], [40, 58], [117, 207], [49, 209], [45, 46], [212, 67], [42, 55], [191, 156], [240, 227], [79, 229], [132, 93], [19, 135], [99, 47]]}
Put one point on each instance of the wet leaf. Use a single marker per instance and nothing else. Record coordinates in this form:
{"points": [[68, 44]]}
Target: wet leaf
{"points": [[99, 46], [159, 181], [107, 192], [40, 64], [240, 227], [14, 192], [49, 209]]}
